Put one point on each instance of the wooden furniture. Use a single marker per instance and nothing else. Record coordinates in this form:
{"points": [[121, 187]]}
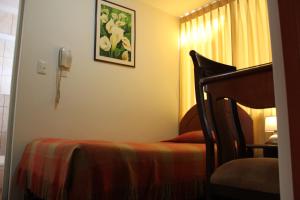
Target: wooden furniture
{"points": [[237, 177], [251, 87], [191, 122], [271, 152], [204, 68]]}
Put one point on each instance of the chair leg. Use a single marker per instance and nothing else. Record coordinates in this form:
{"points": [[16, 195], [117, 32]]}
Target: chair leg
{"points": [[207, 191]]}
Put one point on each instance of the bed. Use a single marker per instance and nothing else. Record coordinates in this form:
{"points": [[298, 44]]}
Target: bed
{"points": [[80, 169]]}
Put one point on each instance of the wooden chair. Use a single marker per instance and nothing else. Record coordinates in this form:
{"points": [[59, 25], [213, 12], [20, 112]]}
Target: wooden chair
{"points": [[235, 177]]}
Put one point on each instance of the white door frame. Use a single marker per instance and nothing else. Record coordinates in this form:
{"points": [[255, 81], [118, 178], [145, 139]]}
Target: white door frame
{"points": [[8, 174]]}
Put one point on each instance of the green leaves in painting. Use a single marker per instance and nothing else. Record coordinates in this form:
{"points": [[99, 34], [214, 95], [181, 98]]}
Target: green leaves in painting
{"points": [[115, 33]]}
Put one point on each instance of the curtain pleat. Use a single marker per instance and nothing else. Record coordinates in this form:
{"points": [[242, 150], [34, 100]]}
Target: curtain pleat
{"points": [[209, 34]]}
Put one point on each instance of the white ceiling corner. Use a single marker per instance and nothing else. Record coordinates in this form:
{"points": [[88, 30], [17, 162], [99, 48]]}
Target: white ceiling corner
{"points": [[175, 7]]}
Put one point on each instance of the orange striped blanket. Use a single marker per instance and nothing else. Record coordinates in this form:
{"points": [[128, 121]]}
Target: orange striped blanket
{"points": [[72, 169]]}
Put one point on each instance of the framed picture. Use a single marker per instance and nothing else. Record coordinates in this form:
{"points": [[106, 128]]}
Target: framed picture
{"points": [[114, 34]]}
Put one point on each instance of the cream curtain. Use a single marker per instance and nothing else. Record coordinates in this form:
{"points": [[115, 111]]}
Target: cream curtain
{"points": [[234, 32]]}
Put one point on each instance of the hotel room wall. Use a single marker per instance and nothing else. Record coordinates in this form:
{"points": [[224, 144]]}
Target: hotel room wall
{"points": [[98, 100]]}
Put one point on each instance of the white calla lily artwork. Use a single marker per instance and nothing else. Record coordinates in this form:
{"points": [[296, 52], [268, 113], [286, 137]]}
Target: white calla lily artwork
{"points": [[105, 44], [115, 34]]}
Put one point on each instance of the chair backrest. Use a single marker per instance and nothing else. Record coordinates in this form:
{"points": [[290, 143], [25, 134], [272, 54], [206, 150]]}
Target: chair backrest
{"points": [[203, 68], [190, 121], [252, 87]]}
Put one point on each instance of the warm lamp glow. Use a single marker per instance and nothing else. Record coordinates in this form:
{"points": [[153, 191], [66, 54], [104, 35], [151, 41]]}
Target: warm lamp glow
{"points": [[271, 124]]}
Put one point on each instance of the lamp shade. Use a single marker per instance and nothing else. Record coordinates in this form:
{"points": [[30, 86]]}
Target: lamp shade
{"points": [[271, 124]]}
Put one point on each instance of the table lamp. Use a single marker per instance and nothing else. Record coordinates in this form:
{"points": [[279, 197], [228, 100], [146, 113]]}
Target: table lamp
{"points": [[271, 127]]}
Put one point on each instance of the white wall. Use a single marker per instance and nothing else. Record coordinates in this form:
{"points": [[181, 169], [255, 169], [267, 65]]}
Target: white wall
{"points": [[99, 100], [285, 163]]}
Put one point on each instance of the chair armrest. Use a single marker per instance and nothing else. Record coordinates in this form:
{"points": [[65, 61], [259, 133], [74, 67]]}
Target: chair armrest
{"points": [[261, 146], [269, 150]]}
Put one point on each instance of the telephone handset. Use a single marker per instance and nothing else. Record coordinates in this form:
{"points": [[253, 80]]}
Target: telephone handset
{"points": [[64, 65], [65, 59]]}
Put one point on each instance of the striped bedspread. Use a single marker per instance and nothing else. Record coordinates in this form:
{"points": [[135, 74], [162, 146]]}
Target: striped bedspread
{"points": [[72, 169]]}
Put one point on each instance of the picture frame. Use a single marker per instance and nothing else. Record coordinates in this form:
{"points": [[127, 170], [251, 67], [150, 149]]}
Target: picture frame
{"points": [[114, 34]]}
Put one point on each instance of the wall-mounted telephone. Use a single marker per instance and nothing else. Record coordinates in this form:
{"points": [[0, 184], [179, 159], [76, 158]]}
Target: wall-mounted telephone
{"points": [[64, 65], [65, 59]]}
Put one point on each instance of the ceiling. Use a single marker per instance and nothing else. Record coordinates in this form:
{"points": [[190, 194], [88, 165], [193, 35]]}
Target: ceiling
{"points": [[173, 7], [176, 7]]}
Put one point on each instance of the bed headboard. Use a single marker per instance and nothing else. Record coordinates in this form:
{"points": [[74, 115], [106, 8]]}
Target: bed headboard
{"points": [[191, 122]]}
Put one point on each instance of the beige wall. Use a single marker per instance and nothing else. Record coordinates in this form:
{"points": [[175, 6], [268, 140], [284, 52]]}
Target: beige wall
{"points": [[98, 100], [285, 162]]}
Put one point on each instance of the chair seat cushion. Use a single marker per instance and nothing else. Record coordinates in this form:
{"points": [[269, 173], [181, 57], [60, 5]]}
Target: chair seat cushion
{"points": [[256, 174]]}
